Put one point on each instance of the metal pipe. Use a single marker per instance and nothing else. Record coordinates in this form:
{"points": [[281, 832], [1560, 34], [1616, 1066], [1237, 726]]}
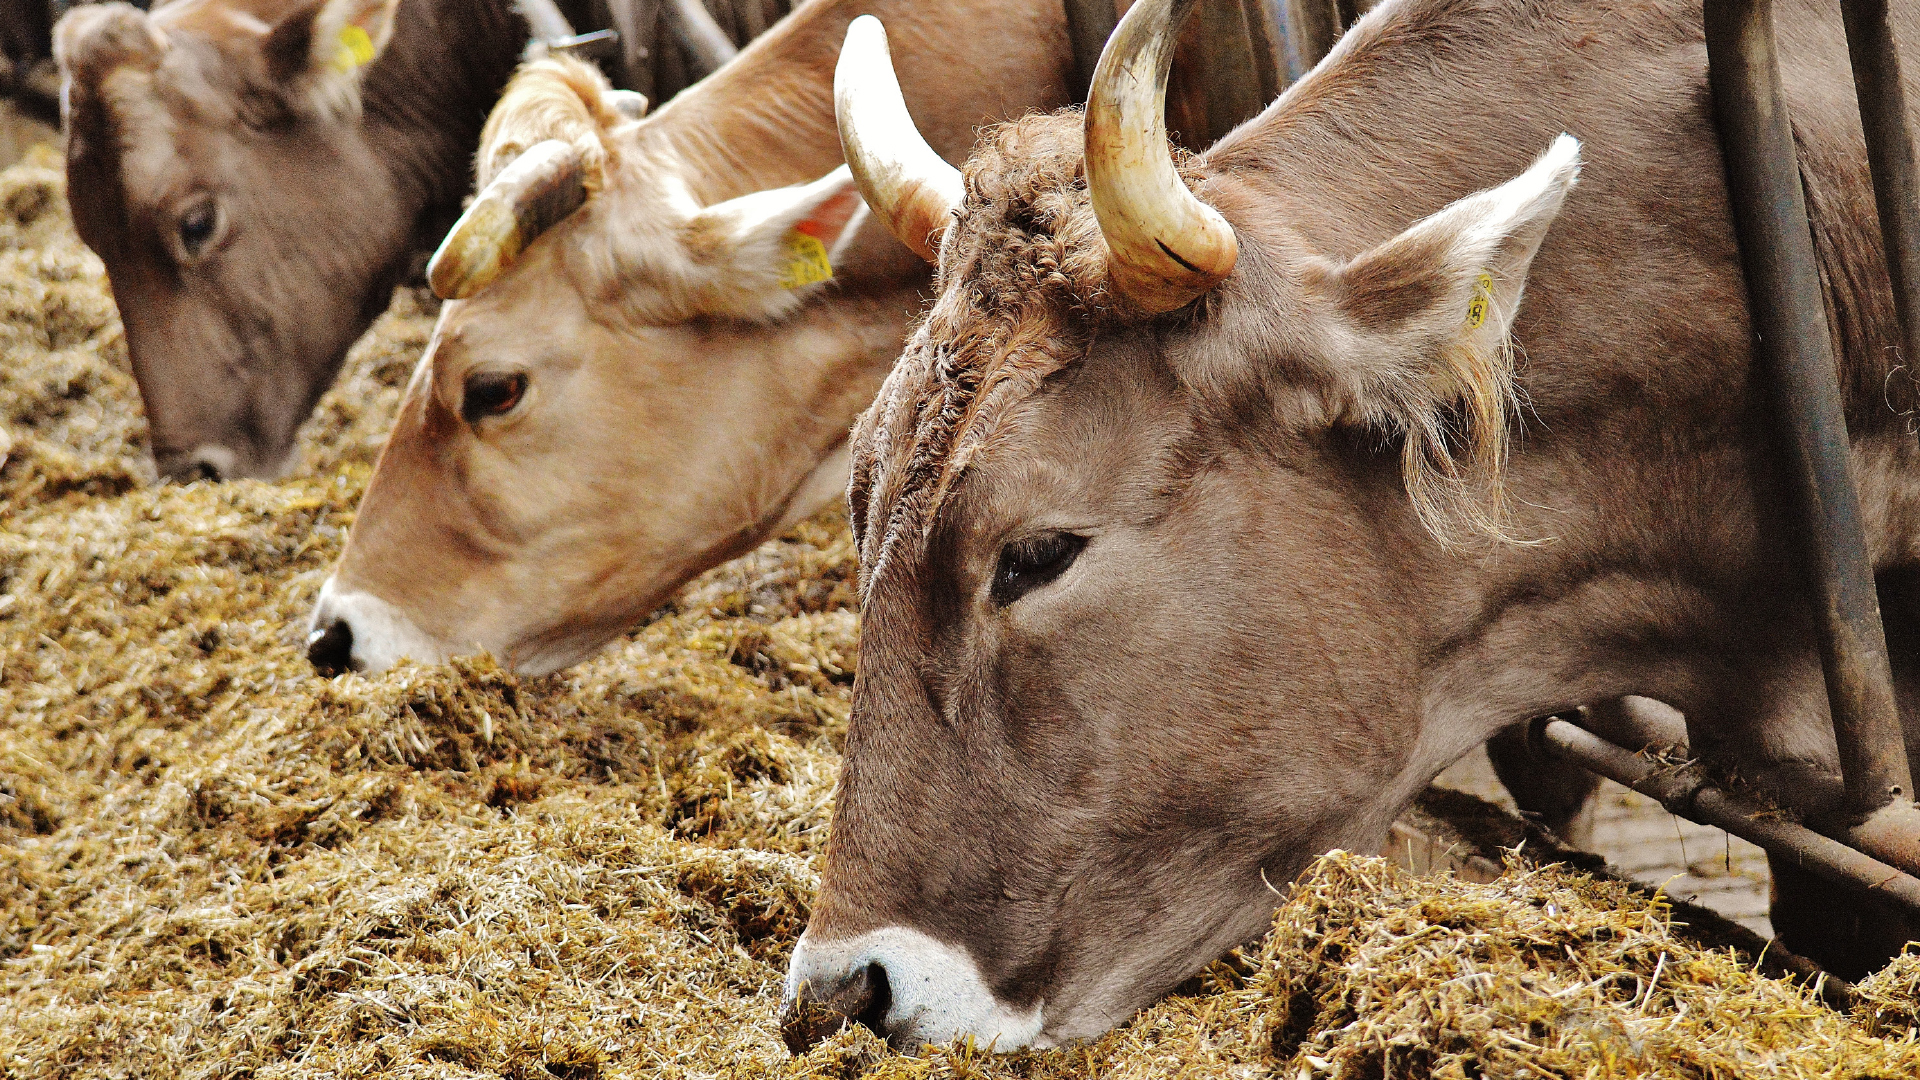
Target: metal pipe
{"points": [[636, 21], [1312, 28], [1089, 24], [1269, 49], [1688, 794], [1236, 80], [707, 46], [1794, 349], [544, 21], [1882, 94], [1890, 154]]}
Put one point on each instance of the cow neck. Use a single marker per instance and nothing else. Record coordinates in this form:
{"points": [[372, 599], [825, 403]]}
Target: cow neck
{"points": [[426, 99], [785, 135]]}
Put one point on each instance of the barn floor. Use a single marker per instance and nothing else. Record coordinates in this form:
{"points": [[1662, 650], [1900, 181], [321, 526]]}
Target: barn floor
{"points": [[1642, 842], [215, 864]]}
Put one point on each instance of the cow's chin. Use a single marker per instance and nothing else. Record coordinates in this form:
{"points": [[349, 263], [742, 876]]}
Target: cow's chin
{"points": [[381, 635], [933, 991]]}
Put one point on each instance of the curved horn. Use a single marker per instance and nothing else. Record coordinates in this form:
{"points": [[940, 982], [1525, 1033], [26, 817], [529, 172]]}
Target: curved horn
{"points": [[912, 188], [528, 197], [1167, 246]]}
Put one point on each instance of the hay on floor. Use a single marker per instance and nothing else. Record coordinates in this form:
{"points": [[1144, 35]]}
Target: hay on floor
{"points": [[215, 864]]}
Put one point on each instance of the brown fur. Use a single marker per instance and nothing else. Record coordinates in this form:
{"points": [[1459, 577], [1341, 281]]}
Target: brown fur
{"points": [[325, 184], [683, 402], [1262, 652]]}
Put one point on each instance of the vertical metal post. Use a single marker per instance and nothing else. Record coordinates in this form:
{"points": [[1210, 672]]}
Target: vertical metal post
{"points": [[1089, 24], [1269, 44], [1890, 153], [1233, 79], [637, 21], [1794, 348], [1312, 28]]}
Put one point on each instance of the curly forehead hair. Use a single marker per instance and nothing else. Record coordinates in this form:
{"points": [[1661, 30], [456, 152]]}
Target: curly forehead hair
{"points": [[1021, 294]]}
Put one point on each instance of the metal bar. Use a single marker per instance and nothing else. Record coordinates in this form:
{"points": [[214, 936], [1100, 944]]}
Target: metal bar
{"points": [[1312, 28], [1793, 347], [636, 21], [1269, 18], [1269, 50], [1686, 793], [1890, 154], [1229, 68], [707, 46], [544, 21], [592, 43], [1089, 24]]}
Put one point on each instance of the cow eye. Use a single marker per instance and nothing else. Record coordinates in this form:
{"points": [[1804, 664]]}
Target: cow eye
{"points": [[491, 393], [196, 228], [1025, 565]]}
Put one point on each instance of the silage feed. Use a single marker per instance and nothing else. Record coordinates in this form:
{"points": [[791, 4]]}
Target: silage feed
{"points": [[214, 863]]}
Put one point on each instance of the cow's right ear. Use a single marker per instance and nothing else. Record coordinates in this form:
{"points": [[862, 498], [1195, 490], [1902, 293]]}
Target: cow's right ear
{"points": [[758, 255], [1423, 343], [93, 40], [323, 45]]}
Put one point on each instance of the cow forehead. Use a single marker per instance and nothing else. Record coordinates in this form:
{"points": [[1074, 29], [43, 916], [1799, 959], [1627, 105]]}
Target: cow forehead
{"points": [[1022, 295], [157, 115], [145, 131]]}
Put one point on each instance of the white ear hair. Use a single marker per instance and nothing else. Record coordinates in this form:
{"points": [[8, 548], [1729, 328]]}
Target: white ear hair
{"points": [[1496, 232], [319, 51]]}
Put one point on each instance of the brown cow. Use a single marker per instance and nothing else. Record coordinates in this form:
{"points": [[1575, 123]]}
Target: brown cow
{"points": [[1210, 513], [257, 175], [646, 392]]}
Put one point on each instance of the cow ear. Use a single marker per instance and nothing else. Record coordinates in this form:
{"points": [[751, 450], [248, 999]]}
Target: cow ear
{"points": [[92, 40], [329, 40], [1424, 346], [771, 248]]}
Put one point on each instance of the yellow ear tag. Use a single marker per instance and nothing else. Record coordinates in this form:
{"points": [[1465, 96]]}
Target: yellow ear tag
{"points": [[806, 261], [356, 50], [1482, 298]]}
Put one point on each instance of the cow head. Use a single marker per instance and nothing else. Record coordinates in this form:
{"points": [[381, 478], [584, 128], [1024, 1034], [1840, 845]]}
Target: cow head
{"points": [[1156, 517], [628, 387], [218, 164]]}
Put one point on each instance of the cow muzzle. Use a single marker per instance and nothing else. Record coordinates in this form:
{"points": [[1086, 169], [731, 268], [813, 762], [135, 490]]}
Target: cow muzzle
{"points": [[907, 987], [208, 461], [357, 631]]}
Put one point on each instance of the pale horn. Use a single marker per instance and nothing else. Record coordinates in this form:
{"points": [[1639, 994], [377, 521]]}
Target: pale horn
{"points": [[528, 197], [913, 189], [1167, 246]]}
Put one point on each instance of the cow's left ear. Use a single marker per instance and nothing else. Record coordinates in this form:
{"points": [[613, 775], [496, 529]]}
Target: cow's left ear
{"points": [[1423, 347], [325, 43], [766, 251]]}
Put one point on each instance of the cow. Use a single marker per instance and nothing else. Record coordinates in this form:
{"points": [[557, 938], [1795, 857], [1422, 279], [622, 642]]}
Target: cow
{"points": [[1221, 500], [257, 176], [666, 375]]}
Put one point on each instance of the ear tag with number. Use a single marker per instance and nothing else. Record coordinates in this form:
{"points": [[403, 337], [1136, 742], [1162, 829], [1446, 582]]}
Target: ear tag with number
{"points": [[356, 50], [1482, 298], [806, 261]]}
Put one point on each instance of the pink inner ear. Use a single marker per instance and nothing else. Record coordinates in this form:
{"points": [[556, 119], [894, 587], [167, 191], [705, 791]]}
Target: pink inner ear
{"points": [[830, 218]]}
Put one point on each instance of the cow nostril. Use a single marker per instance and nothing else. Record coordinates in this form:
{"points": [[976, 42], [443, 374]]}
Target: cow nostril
{"points": [[204, 470], [330, 649], [816, 1015], [879, 1002]]}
